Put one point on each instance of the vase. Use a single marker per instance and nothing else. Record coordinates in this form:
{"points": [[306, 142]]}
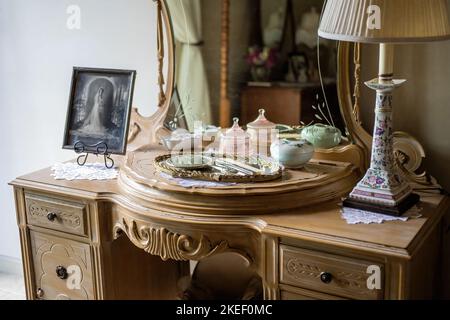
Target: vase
{"points": [[260, 73]]}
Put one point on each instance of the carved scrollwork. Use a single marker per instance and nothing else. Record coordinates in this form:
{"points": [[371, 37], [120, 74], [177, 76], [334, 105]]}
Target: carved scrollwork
{"points": [[297, 269], [409, 155], [167, 244]]}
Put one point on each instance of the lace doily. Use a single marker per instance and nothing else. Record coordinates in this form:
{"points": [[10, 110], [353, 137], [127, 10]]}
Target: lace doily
{"points": [[356, 216], [90, 171], [190, 183]]}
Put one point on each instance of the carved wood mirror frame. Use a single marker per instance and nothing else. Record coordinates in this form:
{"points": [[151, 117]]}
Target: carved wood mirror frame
{"points": [[148, 130]]}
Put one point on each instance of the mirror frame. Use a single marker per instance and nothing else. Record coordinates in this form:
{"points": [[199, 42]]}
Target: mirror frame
{"points": [[148, 130]]}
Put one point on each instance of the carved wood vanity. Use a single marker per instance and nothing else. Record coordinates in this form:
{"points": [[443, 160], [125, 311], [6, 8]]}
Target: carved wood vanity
{"points": [[133, 237], [119, 240]]}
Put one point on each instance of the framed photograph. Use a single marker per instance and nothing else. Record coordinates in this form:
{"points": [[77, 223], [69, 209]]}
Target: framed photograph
{"points": [[99, 109]]}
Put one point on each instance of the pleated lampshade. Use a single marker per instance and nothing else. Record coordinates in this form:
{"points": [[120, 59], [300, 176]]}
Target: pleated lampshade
{"points": [[385, 21]]}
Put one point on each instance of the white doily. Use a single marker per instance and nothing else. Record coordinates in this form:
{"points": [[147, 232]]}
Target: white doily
{"points": [[190, 183], [90, 171], [355, 216]]}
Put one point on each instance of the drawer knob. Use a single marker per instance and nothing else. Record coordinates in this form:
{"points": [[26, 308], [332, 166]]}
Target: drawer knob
{"points": [[39, 293], [51, 216], [326, 277], [61, 272]]}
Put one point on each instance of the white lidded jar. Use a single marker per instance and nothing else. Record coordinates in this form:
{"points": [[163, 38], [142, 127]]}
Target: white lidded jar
{"points": [[292, 153]]}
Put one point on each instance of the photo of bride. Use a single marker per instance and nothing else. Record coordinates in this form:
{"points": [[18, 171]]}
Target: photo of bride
{"points": [[99, 109]]}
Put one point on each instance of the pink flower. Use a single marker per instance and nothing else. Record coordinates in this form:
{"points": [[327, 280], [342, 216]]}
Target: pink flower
{"points": [[266, 57], [378, 142]]}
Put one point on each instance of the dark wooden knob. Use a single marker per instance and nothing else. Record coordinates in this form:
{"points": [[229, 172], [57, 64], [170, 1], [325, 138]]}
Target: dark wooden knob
{"points": [[326, 277], [39, 293], [61, 272], [51, 216]]}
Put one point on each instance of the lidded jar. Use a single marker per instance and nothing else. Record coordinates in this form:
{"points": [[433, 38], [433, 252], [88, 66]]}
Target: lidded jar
{"points": [[235, 141], [262, 132]]}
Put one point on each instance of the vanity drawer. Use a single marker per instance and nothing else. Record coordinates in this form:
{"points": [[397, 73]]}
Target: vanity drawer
{"points": [[56, 214], [62, 268], [331, 274], [291, 293]]}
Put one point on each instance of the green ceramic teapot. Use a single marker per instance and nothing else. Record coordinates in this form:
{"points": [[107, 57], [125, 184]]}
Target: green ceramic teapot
{"points": [[322, 136]]}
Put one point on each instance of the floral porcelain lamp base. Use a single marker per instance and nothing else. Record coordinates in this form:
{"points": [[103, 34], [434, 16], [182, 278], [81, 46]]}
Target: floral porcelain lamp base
{"points": [[383, 189]]}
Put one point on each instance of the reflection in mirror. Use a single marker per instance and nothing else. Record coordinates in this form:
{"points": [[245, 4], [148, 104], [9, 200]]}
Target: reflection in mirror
{"points": [[191, 98], [272, 63], [273, 20]]}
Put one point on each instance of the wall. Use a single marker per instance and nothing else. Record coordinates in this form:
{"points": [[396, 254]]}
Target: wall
{"points": [[422, 105], [37, 53]]}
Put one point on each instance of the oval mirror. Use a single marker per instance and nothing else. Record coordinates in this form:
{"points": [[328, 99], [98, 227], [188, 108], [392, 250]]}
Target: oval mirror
{"points": [[228, 59]]}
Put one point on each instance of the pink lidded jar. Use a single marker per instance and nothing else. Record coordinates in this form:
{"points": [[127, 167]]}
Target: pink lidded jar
{"points": [[262, 133], [235, 142]]}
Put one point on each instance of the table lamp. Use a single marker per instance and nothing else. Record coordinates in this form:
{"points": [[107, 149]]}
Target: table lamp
{"points": [[384, 22]]}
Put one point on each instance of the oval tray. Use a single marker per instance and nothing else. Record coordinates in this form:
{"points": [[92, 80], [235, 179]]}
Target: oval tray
{"points": [[161, 165]]}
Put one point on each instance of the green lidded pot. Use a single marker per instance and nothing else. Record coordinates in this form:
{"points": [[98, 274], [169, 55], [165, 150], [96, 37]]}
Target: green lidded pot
{"points": [[322, 136]]}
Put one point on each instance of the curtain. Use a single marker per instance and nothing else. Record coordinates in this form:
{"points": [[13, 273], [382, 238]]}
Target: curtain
{"points": [[190, 79]]}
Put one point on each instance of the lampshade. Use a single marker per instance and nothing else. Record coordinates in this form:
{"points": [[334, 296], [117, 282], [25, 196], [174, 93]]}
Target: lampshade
{"points": [[385, 21]]}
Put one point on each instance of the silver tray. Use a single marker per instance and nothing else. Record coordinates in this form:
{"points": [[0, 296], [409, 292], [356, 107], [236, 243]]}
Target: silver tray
{"points": [[211, 168]]}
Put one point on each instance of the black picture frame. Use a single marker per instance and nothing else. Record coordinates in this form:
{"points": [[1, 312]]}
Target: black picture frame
{"points": [[99, 110]]}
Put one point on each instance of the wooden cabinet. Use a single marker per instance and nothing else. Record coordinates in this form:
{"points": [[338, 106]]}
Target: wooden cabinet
{"points": [[286, 105], [62, 268], [68, 252]]}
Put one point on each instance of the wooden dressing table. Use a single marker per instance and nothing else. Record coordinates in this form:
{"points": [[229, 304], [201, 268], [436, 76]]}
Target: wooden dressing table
{"points": [[132, 238], [95, 222]]}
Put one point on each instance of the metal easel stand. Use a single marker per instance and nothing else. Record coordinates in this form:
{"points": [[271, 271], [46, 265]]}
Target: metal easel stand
{"points": [[101, 148]]}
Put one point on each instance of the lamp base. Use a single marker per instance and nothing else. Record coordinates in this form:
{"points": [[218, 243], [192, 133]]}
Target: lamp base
{"points": [[397, 210]]}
